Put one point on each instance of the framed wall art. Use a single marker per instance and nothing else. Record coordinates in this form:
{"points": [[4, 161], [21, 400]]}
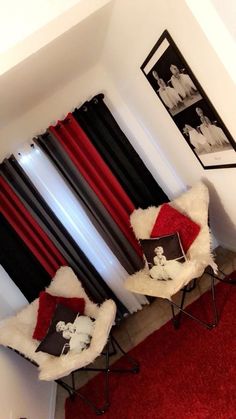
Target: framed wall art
{"points": [[183, 97]]}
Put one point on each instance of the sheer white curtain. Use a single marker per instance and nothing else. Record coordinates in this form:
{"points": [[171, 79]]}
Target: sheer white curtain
{"points": [[67, 208]]}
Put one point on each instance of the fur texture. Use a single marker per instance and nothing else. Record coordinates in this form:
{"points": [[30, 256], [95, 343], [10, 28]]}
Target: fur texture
{"points": [[193, 203], [16, 332], [47, 306], [79, 332]]}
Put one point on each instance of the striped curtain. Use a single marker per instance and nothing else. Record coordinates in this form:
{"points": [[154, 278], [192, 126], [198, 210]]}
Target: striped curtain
{"points": [[78, 184]]}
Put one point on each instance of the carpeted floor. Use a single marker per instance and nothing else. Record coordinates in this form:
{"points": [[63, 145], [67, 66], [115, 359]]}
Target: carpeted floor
{"points": [[185, 374]]}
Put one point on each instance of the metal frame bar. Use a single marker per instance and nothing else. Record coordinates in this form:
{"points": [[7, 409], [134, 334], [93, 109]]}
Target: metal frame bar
{"points": [[188, 288], [229, 281], [112, 342]]}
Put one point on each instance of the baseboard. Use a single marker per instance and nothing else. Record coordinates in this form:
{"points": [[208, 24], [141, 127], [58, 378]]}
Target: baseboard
{"points": [[215, 242], [228, 246], [53, 398]]}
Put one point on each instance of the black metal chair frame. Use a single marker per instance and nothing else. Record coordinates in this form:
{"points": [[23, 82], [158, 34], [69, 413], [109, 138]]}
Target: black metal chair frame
{"points": [[176, 317], [134, 364], [112, 346], [110, 350]]}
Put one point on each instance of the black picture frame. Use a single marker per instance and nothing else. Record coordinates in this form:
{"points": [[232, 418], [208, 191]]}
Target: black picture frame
{"points": [[188, 105]]}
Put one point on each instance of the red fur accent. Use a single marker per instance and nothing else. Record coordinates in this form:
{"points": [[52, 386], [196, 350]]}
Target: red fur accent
{"points": [[170, 221], [47, 306]]}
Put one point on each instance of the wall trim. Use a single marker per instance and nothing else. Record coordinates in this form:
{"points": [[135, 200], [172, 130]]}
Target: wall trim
{"points": [[53, 398]]}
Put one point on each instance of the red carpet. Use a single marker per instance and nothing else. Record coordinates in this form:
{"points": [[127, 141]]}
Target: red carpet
{"points": [[189, 373]]}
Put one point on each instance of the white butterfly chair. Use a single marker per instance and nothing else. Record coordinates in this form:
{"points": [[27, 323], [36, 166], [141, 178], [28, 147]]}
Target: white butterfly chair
{"points": [[16, 332], [194, 204]]}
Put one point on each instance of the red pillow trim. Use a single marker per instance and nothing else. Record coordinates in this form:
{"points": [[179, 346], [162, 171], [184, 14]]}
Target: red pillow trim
{"points": [[170, 221], [47, 306]]}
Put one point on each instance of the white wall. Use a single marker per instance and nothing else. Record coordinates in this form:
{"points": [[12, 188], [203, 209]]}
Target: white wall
{"points": [[217, 20], [134, 28], [53, 66], [26, 26], [18, 20], [227, 11], [48, 111], [21, 393]]}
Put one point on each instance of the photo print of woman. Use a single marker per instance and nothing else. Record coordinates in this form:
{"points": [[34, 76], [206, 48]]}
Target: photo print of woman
{"points": [[169, 78], [205, 136], [178, 89]]}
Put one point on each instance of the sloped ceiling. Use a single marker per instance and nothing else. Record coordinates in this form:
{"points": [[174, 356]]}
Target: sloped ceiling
{"points": [[63, 59], [19, 20]]}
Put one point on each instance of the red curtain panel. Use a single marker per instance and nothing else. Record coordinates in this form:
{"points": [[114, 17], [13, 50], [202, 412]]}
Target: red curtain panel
{"points": [[96, 172], [29, 230]]}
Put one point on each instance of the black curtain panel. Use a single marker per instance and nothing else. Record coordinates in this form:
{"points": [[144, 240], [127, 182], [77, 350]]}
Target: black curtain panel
{"points": [[95, 210], [20, 264], [102, 129], [93, 283]]}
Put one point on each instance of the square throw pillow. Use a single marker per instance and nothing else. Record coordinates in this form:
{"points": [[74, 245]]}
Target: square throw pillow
{"points": [[55, 342], [68, 331], [47, 306], [170, 221], [164, 256]]}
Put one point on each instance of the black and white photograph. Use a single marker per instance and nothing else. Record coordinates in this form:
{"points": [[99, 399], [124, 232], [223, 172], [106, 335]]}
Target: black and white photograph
{"points": [[205, 135], [176, 86]]}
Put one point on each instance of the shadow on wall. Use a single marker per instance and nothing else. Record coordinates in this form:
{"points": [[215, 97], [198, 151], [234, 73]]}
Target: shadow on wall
{"points": [[222, 225]]}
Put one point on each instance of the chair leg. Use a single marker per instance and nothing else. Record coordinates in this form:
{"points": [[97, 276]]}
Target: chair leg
{"points": [[225, 280], [106, 370], [66, 387], [106, 384], [112, 348], [103, 409], [73, 380], [135, 368], [214, 308], [202, 322], [73, 392], [176, 317], [135, 365]]}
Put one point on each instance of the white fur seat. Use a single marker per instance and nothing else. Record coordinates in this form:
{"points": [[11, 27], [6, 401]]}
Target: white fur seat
{"points": [[16, 332], [193, 203]]}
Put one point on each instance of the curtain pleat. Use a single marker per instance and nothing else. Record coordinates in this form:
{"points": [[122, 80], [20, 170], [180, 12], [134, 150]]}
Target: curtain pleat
{"points": [[95, 210], [28, 229], [97, 121], [44, 216], [20, 263], [96, 172], [63, 202], [68, 200]]}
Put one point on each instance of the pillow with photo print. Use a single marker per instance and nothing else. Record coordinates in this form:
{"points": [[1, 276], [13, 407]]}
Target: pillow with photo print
{"points": [[47, 306], [54, 342], [164, 256], [68, 331]]}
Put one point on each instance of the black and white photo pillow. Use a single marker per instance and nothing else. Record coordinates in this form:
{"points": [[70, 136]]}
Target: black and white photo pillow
{"points": [[164, 256], [69, 331]]}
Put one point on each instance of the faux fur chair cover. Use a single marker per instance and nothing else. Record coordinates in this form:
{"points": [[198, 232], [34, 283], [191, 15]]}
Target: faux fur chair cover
{"points": [[17, 331], [193, 203]]}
